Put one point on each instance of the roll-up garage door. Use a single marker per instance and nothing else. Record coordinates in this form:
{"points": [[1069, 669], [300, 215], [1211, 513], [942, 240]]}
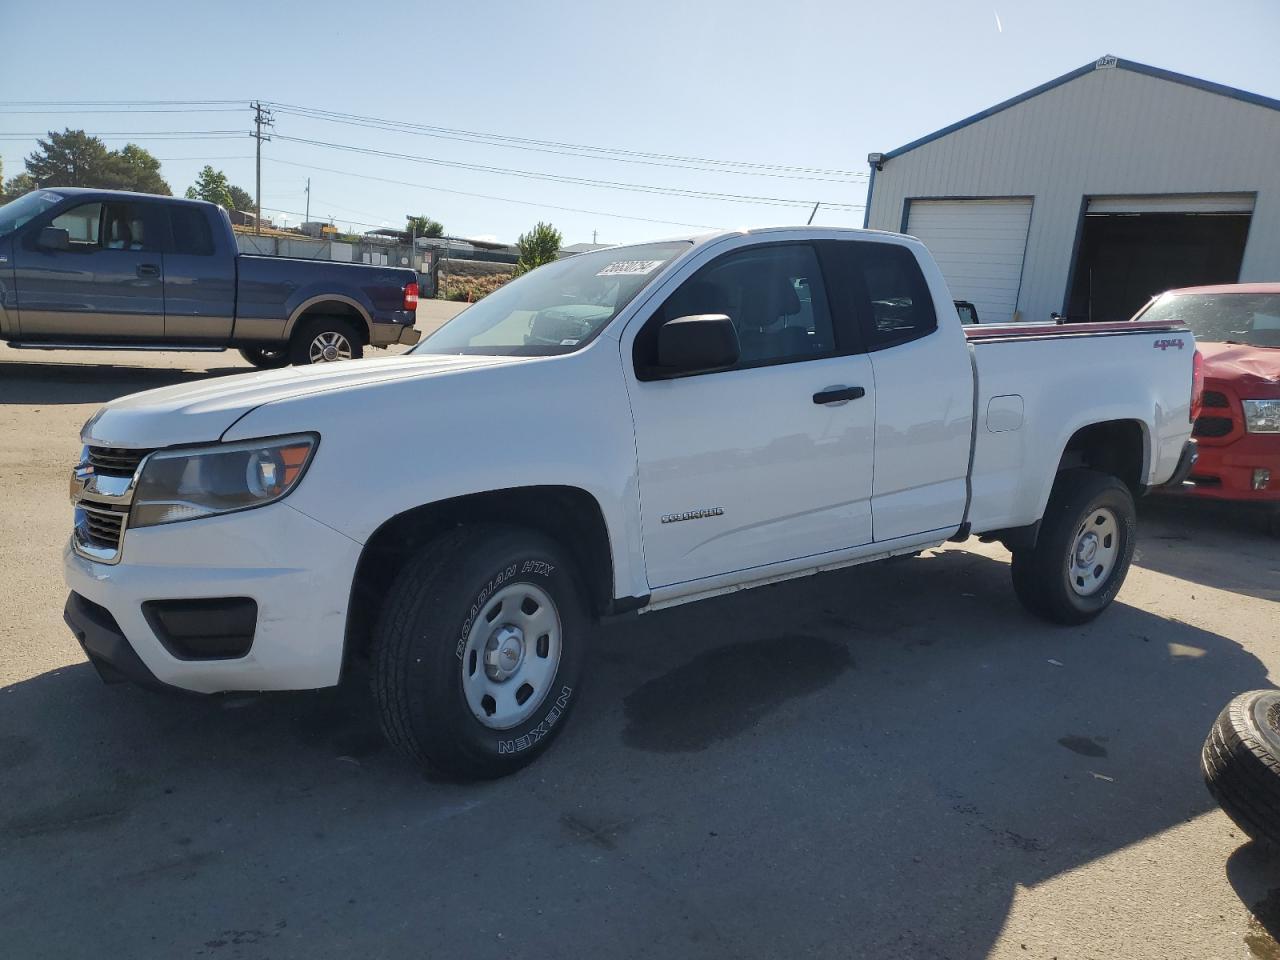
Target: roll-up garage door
{"points": [[979, 246], [1175, 203]]}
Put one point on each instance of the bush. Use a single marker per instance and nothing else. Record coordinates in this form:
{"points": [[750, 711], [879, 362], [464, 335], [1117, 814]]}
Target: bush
{"points": [[471, 289]]}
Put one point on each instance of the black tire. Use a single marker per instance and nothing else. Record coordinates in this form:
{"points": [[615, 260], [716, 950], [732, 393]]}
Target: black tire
{"points": [[418, 663], [1241, 764], [1042, 575], [313, 328], [266, 358]]}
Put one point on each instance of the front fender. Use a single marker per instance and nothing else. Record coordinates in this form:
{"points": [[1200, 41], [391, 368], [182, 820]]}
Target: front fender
{"points": [[392, 446]]}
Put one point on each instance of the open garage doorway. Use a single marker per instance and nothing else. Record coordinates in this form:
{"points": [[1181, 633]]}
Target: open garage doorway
{"points": [[1132, 248]]}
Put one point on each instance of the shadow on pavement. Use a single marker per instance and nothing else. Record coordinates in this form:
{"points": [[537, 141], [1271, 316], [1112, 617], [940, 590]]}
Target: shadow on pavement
{"points": [[1254, 873], [1188, 538], [57, 383], [866, 763]]}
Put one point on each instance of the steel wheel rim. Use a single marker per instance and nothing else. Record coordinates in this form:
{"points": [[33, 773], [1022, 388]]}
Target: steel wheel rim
{"points": [[511, 656], [328, 347], [1094, 550]]}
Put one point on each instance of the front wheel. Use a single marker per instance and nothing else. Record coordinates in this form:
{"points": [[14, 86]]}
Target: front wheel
{"points": [[478, 651], [1083, 550], [324, 340]]}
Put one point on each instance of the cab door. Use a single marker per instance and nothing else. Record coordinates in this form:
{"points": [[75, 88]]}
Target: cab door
{"points": [[107, 283], [924, 387], [766, 462]]}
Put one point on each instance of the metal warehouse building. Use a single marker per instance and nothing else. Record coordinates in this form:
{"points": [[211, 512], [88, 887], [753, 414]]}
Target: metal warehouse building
{"points": [[1092, 192]]}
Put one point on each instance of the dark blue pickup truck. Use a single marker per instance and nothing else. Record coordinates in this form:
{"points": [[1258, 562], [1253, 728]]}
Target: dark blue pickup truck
{"points": [[106, 269]]}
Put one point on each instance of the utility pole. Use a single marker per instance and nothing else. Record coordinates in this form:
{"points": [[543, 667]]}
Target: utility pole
{"points": [[593, 238], [261, 118], [308, 220]]}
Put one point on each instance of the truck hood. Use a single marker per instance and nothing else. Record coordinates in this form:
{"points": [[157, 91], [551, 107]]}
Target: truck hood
{"points": [[202, 411], [1252, 371]]}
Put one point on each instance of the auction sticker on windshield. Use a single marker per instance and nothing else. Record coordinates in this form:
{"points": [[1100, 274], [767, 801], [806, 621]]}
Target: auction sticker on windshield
{"points": [[620, 268]]}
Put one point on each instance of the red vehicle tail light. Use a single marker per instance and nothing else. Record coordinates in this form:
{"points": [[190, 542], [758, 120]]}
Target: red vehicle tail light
{"points": [[1197, 385], [411, 297]]}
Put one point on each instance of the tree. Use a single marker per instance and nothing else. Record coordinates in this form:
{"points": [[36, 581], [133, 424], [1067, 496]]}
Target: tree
{"points": [[18, 185], [240, 199], [71, 159], [424, 227], [136, 169], [540, 245], [211, 185]]}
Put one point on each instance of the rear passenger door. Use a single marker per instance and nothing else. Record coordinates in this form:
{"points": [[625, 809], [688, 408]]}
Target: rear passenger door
{"points": [[200, 280], [924, 388], [107, 285]]}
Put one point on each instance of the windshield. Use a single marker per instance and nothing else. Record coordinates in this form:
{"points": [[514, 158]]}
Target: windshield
{"points": [[1252, 318], [556, 308], [15, 214]]}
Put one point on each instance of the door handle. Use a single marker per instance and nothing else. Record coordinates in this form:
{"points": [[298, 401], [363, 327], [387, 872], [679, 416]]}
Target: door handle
{"points": [[148, 270], [838, 395]]}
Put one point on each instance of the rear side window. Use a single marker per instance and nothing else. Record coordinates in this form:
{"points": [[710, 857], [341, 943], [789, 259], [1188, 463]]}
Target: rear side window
{"points": [[899, 306], [191, 233]]}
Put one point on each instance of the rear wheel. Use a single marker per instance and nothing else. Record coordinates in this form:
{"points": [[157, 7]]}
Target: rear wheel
{"points": [[266, 358], [1083, 550], [478, 652], [324, 340]]}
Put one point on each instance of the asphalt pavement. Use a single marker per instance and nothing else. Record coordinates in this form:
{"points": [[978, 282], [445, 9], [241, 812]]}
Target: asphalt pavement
{"points": [[889, 761]]}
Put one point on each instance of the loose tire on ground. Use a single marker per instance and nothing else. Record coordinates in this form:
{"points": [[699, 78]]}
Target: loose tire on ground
{"points": [[1241, 764], [1083, 550], [266, 358], [323, 340], [439, 626]]}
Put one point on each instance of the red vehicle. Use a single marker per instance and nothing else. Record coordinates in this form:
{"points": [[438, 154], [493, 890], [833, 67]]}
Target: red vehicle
{"points": [[1237, 328]]}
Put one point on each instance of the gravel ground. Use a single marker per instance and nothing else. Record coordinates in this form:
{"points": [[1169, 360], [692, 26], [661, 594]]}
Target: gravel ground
{"points": [[893, 761]]}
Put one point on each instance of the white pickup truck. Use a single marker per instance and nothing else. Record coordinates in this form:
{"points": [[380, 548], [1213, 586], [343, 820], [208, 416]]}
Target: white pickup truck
{"points": [[618, 431]]}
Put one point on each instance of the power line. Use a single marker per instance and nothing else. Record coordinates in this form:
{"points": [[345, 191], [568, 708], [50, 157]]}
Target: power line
{"points": [[118, 103], [487, 196], [397, 127], [141, 134], [558, 178], [130, 110], [323, 114]]}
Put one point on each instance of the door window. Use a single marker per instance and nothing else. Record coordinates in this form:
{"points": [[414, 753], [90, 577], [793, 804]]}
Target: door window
{"points": [[130, 226], [83, 226], [774, 295]]}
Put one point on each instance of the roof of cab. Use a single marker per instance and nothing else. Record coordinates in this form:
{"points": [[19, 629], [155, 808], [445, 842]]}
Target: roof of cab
{"points": [[1272, 287]]}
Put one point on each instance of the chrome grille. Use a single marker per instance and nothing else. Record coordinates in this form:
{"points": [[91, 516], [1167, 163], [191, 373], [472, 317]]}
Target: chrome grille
{"points": [[99, 530], [114, 461]]}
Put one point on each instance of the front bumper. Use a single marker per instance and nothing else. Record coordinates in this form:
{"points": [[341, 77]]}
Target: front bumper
{"points": [[1226, 472], [297, 570]]}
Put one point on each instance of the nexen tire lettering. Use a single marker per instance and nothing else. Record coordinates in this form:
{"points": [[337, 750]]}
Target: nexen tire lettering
{"points": [[527, 740]]}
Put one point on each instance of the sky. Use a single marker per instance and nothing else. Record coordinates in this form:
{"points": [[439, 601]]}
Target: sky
{"points": [[776, 102]]}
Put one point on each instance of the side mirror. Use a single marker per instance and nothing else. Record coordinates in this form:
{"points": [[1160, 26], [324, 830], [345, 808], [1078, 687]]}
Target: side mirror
{"points": [[698, 344], [54, 238]]}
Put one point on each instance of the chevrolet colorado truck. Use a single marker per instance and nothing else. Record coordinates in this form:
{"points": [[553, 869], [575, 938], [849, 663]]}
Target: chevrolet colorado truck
{"points": [[615, 432], [95, 269]]}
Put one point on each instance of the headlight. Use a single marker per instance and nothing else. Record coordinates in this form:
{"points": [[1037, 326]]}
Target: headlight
{"points": [[1262, 416], [203, 481]]}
